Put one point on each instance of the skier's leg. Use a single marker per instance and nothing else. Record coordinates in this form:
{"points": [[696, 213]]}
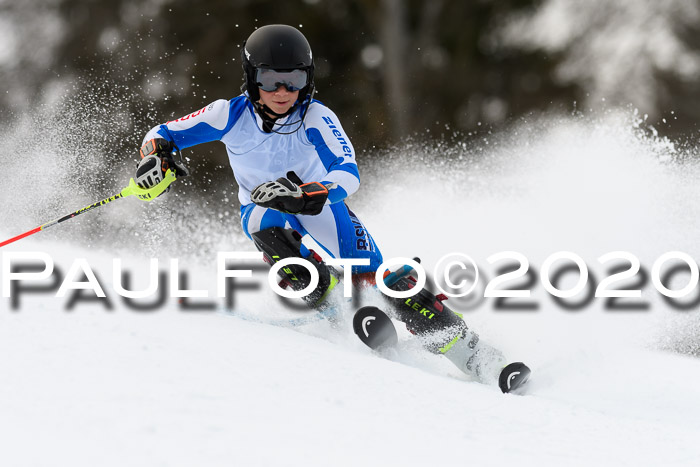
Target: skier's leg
{"points": [[255, 218], [342, 235], [445, 332], [278, 236]]}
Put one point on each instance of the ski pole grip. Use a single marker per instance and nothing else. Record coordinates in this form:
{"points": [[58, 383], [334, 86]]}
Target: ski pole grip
{"points": [[149, 194]]}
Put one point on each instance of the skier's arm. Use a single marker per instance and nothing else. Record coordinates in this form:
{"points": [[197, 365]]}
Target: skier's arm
{"points": [[209, 123], [335, 151], [163, 141]]}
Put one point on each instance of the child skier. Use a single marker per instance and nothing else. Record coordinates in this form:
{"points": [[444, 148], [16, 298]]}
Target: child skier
{"points": [[295, 167]]}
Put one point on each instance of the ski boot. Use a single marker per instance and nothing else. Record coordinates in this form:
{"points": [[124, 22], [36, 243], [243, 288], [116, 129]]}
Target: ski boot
{"points": [[277, 244]]}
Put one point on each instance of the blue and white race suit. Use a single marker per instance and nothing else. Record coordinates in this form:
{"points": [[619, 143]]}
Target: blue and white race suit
{"points": [[318, 151]]}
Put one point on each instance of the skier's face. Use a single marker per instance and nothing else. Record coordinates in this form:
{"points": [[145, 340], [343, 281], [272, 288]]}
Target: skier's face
{"points": [[280, 100]]}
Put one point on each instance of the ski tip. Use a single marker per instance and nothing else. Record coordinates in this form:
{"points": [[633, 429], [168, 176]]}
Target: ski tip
{"points": [[374, 328], [513, 377]]}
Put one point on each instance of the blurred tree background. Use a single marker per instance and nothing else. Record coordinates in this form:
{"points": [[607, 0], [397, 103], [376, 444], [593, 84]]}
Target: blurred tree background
{"points": [[390, 69]]}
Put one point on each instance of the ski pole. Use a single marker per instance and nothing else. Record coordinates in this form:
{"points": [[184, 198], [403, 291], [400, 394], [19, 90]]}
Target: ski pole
{"points": [[144, 194]]}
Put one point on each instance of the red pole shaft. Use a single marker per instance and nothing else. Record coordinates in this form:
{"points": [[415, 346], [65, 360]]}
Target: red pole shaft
{"points": [[21, 236]]}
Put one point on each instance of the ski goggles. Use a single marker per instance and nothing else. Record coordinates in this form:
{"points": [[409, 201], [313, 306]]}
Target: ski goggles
{"points": [[269, 80]]}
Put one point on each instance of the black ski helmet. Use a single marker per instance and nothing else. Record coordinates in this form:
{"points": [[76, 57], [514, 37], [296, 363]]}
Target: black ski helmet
{"points": [[276, 47]]}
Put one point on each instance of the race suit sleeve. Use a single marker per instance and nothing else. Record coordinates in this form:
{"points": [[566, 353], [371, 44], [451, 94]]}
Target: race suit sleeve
{"points": [[335, 150], [207, 124]]}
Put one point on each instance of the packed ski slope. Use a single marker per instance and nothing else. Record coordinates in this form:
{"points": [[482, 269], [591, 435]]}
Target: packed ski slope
{"points": [[90, 385]]}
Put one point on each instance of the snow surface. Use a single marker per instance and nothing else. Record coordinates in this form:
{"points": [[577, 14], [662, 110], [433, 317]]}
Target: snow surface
{"points": [[96, 386]]}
